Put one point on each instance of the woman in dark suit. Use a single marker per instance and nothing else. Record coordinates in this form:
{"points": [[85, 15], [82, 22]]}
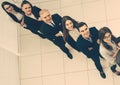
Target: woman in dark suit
{"points": [[13, 11], [70, 32], [29, 10], [31, 17], [18, 16]]}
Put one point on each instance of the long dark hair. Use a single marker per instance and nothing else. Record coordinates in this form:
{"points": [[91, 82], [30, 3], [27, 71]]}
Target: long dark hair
{"points": [[102, 33], [15, 8], [65, 30]]}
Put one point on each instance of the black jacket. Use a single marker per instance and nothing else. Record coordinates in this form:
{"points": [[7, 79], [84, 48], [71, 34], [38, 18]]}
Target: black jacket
{"points": [[83, 45], [49, 31]]}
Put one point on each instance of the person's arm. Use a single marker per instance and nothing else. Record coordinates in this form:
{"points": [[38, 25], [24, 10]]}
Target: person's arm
{"points": [[35, 11], [114, 55], [39, 34]]}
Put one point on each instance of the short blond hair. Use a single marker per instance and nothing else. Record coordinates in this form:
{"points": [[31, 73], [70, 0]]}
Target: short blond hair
{"points": [[43, 11]]}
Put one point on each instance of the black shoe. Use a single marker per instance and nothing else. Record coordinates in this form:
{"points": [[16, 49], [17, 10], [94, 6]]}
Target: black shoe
{"points": [[117, 73], [103, 74], [70, 55], [113, 68]]}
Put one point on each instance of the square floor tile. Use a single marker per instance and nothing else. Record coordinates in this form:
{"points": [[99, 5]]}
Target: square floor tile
{"points": [[78, 78], [78, 63], [54, 80], [31, 66], [52, 63], [96, 79], [32, 81]]}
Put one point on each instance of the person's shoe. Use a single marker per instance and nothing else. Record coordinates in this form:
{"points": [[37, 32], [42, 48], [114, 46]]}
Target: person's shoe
{"points": [[113, 68], [103, 75], [117, 73], [70, 55]]}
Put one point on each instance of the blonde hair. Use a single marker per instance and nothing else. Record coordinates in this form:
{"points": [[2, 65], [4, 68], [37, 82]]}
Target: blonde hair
{"points": [[43, 11]]}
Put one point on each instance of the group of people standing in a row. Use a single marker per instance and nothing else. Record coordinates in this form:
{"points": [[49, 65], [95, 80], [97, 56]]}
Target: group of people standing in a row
{"points": [[59, 30]]}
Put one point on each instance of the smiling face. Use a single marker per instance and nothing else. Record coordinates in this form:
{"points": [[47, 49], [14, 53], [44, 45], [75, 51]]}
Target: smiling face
{"points": [[107, 37], [84, 31], [8, 8], [26, 8], [69, 25], [46, 16]]}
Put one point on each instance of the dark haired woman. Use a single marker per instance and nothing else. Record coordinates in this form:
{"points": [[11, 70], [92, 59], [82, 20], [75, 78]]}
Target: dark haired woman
{"points": [[108, 48], [31, 17], [13, 11], [70, 32], [18, 16]]}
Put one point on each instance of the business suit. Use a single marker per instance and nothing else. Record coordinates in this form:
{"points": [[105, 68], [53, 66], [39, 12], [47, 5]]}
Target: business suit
{"points": [[71, 42], [72, 37], [50, 31], [84, 45], [33, 24], [35, 11]]}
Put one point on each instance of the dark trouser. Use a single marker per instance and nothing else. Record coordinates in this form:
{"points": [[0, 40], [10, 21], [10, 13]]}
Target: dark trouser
{"points": [[61, 44], [97, 63]]}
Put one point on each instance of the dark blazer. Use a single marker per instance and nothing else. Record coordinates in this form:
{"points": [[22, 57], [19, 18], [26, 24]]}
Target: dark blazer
{"points": [[71, 42], [32, 24], [83, 45], [49, 31], [35, 11]]}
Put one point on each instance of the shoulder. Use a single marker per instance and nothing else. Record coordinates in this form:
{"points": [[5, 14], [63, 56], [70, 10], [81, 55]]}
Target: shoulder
{"points": [[56, 15], [80, 39], [35, 7], [93, 29]]}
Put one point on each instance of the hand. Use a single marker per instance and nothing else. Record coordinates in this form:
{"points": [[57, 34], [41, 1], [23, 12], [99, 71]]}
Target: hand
{"points": [[118, 47], [59, 34], [22, 23], [90, 48], [98, 41], [119, 44]]}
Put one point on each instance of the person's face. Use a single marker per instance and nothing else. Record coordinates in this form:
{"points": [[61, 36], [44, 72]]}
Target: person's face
{"points": [[26, 8], [8, 8], [46, 17], [107, 37], [69, 25], [84, 31]]}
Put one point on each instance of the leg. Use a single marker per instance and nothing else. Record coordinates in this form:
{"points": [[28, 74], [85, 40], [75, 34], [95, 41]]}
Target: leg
{"points": [[97, 63], [62, 46]]}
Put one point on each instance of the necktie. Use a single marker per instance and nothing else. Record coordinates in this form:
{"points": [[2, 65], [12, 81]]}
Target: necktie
{"points": [[53, 25]]}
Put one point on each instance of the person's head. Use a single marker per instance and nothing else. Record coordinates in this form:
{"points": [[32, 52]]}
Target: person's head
{"points": [[8, 7], [45, 16], [26, 7], [68, 23], [83, 29], [105, 35]]}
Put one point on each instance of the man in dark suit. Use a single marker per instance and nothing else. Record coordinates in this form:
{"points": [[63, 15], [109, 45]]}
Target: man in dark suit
{"points": [[52, 30], [87, 43]]}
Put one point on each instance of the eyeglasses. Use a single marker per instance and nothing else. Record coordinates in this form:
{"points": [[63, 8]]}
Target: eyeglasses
{"points": [[8, 7]]}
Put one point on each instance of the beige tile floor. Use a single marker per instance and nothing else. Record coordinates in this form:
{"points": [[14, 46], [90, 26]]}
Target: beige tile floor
{"points": [[43, 63]]}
